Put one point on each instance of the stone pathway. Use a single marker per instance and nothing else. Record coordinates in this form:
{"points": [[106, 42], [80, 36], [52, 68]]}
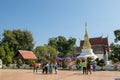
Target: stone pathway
{"points": [[20, 74]]}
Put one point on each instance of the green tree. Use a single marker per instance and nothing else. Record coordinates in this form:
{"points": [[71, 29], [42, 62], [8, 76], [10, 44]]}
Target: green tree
{"points": [[63, 46], [5, 51], [8, 51], [18, 40], [115, 51], [117, 35], [53, 42], [2, 52], [51, 53], [41, 52], [45, 53]]}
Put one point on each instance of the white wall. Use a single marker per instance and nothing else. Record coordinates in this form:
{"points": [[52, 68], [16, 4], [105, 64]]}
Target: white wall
{"points": [[100, 56]]}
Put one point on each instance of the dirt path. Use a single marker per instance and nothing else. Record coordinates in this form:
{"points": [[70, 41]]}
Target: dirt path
{"points": [[20, 74]]}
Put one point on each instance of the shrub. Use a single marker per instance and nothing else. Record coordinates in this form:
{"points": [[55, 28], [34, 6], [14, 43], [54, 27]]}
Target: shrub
{"points": [[8, 61], [19, 63], [31, 62], [101, 63], [78, 61], [64, 64], [115, 60], [89, 58]]}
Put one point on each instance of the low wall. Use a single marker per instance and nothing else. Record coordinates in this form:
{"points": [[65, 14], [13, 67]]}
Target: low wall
{"points": [[108, 67]]}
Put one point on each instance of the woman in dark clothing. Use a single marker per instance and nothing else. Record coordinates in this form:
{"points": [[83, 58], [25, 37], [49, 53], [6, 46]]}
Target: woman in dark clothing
{"points": [[43, 67], [89, 67]]}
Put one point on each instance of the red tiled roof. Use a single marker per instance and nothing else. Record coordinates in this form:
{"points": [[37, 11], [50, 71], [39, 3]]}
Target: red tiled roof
{"points": [[97, 41], [27, 54]]}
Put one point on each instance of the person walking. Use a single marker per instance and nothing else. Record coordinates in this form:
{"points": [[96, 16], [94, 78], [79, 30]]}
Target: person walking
{"points": [[51, 67], [46, 67], [94, 65], [35, 65], [84, 64], [43, 67], [89, 67], [56, 68]]}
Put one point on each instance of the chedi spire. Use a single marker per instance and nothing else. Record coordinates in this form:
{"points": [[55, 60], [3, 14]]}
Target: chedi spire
{"points": [[86, 44]]}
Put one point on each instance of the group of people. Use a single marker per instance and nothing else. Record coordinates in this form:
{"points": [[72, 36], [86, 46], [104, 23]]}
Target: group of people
{"points": [[88, 66], [47, 67]]}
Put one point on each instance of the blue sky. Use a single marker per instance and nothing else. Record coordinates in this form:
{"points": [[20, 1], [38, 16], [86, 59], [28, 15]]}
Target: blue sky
{"points": [[51, 18]]}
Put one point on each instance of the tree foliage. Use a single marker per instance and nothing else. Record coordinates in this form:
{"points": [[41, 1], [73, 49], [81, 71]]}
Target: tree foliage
{"points": [[45, 53], [89, 58], [19, 63], [5, 52], [115, 60], [115, 51], [8, 50], [8, 61], [78, 65], [18, 40], [64, 64], [2, 52], [63, 46], [101, 63], [31, 62], [117, 35]]}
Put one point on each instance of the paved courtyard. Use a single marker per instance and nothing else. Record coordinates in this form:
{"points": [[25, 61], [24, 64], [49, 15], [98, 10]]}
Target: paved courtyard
{"points": [[21, 74]]}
